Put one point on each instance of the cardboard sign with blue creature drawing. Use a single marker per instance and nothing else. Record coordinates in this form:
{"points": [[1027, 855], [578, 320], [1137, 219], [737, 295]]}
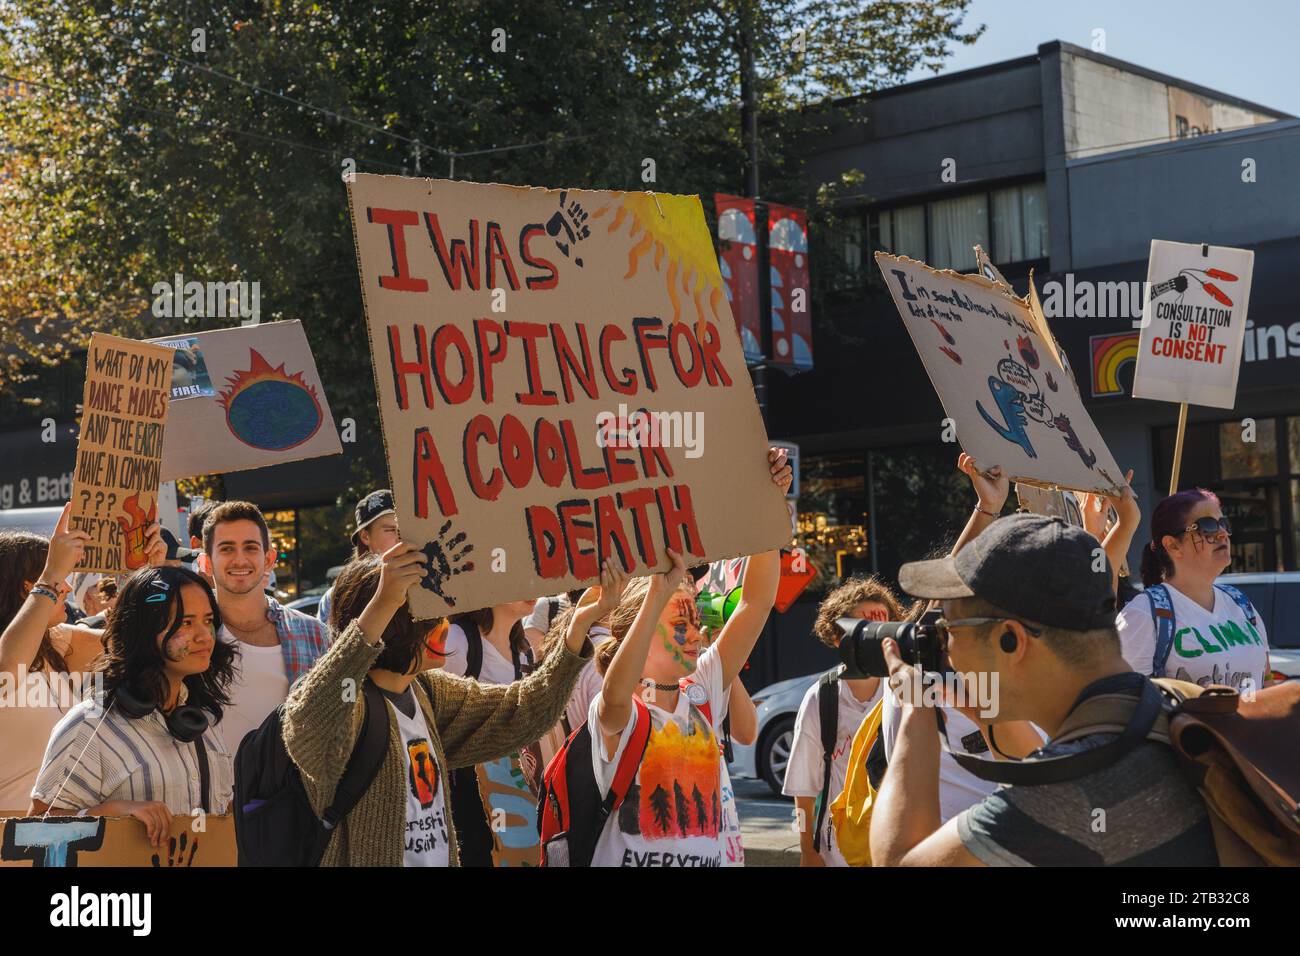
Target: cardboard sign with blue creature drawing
{"points": [[1009, 398]]}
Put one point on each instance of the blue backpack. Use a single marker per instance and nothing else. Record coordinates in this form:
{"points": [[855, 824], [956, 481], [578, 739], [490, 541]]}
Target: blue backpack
{"points": [[1162, 615]]}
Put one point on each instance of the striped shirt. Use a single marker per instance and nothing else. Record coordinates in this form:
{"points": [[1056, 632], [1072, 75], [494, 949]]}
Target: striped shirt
{"points": [[116, 757]]}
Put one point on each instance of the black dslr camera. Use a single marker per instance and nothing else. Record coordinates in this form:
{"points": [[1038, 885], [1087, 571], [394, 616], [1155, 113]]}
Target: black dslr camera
{"points": [[921, 643]]}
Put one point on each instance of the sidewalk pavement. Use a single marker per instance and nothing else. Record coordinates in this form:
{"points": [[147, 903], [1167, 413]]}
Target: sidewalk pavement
{"points": [[765, 825]]}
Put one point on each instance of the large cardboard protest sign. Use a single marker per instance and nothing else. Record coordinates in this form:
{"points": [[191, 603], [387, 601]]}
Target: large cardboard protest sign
{"points": [[1193, 323], [1008, 397], [115, 841], [245, 397], [560, 381], [119, 450]]}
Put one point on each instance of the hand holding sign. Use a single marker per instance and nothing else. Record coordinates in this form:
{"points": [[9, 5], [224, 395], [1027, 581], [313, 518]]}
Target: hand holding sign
{"points": [[613, 581], [782, 472], [67, 548], [991, 487]]}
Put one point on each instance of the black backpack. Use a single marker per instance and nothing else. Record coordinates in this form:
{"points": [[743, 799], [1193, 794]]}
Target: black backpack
{"points": [[274, 821], [828, 711]]}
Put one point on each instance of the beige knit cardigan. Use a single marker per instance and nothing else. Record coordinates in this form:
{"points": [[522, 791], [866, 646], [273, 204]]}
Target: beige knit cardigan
{"points": [[469, 723]]}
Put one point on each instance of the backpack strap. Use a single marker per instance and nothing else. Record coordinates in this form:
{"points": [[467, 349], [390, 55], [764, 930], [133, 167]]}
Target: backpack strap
{"points": [[367, 756], [629, 763], [1243, 602], [828, 711], [1162, 616], [523, 662], [473, 648], [205, 777], [705, 708], [1040, 770]]}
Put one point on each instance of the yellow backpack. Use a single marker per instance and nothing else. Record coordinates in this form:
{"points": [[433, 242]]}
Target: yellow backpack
{"points": [[851, 810]]}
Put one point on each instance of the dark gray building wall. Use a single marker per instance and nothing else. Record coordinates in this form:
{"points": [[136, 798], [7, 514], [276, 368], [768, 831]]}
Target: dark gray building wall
{"points": [[1186, 191], [989, 121]]}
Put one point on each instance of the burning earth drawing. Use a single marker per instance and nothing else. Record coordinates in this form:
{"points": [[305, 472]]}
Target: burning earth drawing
{"points": [[268, 408]]}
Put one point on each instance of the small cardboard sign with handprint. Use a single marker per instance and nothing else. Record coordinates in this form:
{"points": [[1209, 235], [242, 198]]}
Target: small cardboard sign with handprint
{"points": [[201, 840], [119, 450]]}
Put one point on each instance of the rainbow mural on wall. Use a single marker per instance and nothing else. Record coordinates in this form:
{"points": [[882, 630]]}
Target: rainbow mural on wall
{"points": [[1110, 354]]}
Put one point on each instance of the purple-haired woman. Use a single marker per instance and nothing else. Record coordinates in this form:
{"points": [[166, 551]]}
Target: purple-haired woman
{"points": [[1185, 625]]}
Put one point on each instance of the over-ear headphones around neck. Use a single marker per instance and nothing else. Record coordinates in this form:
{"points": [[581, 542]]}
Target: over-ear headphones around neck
{"points": [[1008, 642], [186, 722]]}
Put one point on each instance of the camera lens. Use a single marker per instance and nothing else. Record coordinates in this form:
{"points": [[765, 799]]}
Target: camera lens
{"points": [[861, 648]]}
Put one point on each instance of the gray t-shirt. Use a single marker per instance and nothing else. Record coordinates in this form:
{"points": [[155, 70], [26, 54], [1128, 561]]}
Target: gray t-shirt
{"points": [[1139, 811]]}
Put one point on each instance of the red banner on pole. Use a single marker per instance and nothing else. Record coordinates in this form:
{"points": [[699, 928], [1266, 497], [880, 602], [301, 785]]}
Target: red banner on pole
{"points": [[738, 262], [791, 318]]}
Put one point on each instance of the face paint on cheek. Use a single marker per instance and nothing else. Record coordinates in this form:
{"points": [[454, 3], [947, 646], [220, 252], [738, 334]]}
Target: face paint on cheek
{"points": [[177, 648], [673, 644]]}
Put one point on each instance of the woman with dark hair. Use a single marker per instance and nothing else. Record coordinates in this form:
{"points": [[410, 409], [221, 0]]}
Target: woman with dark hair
{"points": [[41, 656], [1213, 635], [146, 745], [437, 721]]}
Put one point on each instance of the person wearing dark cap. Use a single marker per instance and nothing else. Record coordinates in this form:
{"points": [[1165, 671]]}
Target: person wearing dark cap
{"points": [[176, 555], [376, 532], [1026, 604]]}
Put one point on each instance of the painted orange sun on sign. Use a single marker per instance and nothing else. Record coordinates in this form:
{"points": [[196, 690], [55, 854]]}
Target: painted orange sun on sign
{"points": [[684, 256]]}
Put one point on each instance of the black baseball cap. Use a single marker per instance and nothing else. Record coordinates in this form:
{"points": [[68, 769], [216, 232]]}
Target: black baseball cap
{"points": [[1032, 566], [373, 507], [174, 550]]}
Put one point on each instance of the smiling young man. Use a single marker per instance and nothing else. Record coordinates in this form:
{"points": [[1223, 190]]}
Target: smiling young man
{"points": [[1022, 602], [276, 644]]}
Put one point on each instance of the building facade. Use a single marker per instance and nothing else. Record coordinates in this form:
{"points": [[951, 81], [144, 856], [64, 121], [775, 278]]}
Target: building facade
{"points": [[1066, 163]]}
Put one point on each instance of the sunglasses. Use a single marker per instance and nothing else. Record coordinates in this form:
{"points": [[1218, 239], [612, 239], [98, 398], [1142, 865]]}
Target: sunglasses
{"points": [[947, 626], [1209, 527]]}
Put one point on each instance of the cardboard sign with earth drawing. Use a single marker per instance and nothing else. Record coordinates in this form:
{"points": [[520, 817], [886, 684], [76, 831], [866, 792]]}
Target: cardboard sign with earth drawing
{"points": [[1010, 401]]}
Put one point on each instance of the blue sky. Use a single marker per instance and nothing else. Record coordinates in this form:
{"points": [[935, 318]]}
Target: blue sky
{"points": [[1246, 48]]}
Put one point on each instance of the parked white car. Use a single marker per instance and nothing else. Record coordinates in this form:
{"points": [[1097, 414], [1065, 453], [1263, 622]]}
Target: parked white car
{"points": [[777, 705], [1276, 595]]}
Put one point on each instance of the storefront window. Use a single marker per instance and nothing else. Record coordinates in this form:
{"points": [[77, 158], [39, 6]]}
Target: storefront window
{"points": [[1254, 479], [1241, 458], [832, 516], [1293, 442], [284, 539]]}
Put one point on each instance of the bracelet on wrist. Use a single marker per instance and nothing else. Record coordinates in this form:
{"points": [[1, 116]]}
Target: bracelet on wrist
{"points": [[991, 514], [46, 591]]}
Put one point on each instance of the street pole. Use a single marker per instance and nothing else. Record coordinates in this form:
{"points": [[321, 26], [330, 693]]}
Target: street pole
{"points": [[749, 134]]}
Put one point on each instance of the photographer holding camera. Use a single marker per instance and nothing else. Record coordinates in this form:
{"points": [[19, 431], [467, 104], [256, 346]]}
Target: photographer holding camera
{"points": [[1022, 603]]}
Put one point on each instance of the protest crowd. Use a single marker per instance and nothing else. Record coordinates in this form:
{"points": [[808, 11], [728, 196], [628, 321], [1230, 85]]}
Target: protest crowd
{"points": [[360, 738]]}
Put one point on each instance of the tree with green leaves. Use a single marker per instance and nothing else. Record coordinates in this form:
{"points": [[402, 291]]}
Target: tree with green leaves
{"points": [[210, 139]]}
